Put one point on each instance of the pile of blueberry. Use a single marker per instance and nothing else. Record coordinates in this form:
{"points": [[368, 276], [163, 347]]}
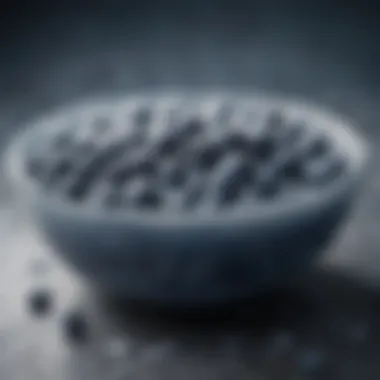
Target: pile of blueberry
{"points": [[146, 161], [74, 323]]}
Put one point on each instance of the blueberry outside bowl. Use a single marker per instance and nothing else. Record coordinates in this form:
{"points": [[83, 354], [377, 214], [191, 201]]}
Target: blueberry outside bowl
{"points": [[211, 255]]}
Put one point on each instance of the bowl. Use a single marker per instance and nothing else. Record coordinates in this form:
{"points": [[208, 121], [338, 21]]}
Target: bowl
{"points": [[245, 221]]}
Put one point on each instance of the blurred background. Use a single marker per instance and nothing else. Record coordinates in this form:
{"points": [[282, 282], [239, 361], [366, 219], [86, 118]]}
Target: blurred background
{"points": [[56, 53]]}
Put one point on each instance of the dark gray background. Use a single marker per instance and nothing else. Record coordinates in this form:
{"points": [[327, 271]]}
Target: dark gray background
{"points": [[52, 54]]}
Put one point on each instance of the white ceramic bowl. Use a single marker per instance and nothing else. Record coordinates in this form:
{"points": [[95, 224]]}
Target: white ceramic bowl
{"points": [[202, 258]]}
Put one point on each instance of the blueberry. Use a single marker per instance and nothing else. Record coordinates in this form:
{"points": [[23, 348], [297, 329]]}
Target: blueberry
{"points": [[40, 302], [237, 141], [146, 167], [75, 327], [148, 199], [142, 194], [194, 193], [114, 199], [191, 128], [209, 155], [77, 190], [94, 169], [235, 178], [263, 147], [169, 145], [293, 135], [61, 169], [64, 167], [122, 173], [143, 164], [275, 122], [324, 170], [268, 182], [224, 113], [318, 147], [142, 116], [63, 140], [337, 167], [292, 166], [177, 176]]}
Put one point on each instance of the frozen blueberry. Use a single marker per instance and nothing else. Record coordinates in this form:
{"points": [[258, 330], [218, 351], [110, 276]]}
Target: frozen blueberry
{"points": [[76, 191], [292, 166], [324, 170], [148, 199], [75, 327], [268, 182], [275, 122], [63, 140], [179, 136], [169, 144], [293, 134], [61, 170], [236, 176], [137, 164], [237, 141], [94, 169], [209, 155], [194, 193], [147, 167], [191, 128], [224, 113], [122, 173], [264, 147], [114, 199], [114, 151], [318, 147], [142, 116], [178, 176], [143, 195], [81, 185], [40, 302]]}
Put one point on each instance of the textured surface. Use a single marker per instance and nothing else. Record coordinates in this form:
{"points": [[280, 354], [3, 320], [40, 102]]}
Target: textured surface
{"points": [[334, 61]]}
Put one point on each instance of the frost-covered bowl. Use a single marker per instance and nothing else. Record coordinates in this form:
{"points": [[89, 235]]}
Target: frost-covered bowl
{"points": [[188, 199]]}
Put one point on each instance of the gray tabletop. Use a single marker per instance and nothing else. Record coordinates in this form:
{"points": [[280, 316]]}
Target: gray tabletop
{"points": [[326, 326]]}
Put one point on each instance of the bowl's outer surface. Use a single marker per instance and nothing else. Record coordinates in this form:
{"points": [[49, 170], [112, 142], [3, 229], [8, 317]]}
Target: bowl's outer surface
{"points": [[201, 260], [201, 265]]}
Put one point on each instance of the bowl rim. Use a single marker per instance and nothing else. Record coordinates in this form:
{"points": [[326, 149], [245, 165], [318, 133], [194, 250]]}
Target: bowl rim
{"points": [[349, 141]]}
